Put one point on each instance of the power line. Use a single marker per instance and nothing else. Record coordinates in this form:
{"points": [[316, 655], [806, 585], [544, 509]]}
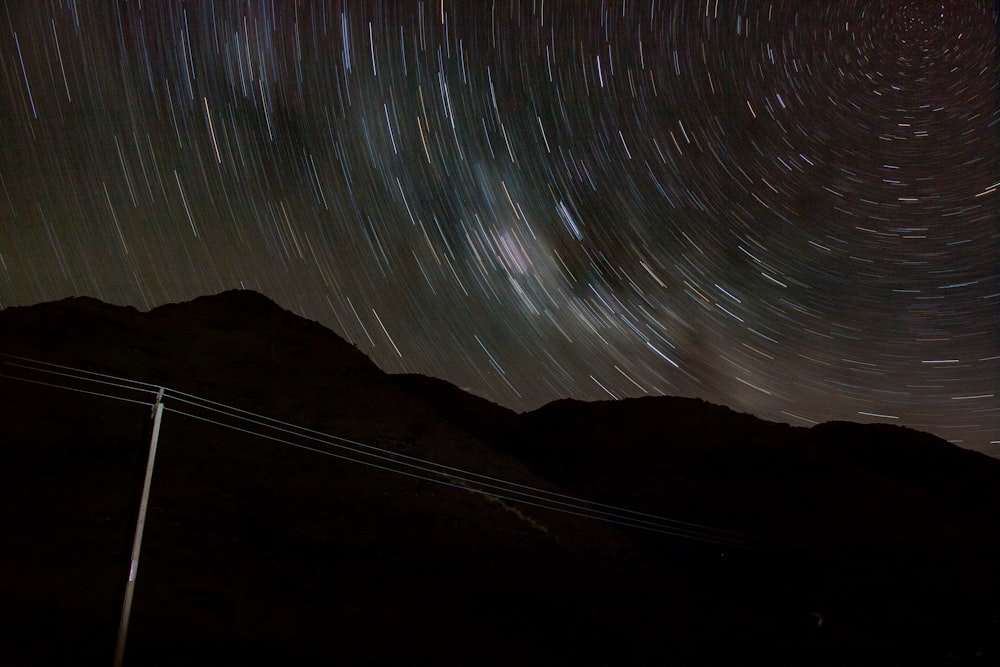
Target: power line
{"points": [[467, 480], [444, 482], [546, 503], [47, 369], [81, 391], [152, 388], [423, 462], [5, 365], [661, 524]]}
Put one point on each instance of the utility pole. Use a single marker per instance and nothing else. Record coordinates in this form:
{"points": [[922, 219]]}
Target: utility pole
{"points": [[140, 524]]}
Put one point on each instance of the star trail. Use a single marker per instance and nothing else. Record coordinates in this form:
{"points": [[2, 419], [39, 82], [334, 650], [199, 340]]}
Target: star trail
{"points": [[786, 207]]}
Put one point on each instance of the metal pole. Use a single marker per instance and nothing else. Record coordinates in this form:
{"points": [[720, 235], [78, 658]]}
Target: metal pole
{"points": [[140, 524]]}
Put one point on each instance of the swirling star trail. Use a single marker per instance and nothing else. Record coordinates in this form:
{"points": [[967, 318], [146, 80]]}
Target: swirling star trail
{"points": [[787, 207]]}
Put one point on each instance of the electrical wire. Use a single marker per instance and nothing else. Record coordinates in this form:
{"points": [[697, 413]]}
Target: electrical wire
{"points": [[532, 496], [74, 374], [464, 475], [489, 494], [325, 438], [76, 389], [675, 529], [153, 387]]}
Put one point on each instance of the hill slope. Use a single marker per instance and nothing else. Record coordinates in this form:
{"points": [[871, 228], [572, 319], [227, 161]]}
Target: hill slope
{"points": [[257, 550]]}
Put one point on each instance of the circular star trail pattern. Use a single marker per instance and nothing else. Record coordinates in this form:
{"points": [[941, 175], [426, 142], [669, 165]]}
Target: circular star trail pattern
{"points": [[790, 208]]}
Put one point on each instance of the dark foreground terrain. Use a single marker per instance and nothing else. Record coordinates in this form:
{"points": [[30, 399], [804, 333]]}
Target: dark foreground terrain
{"points": [[850, 544]]}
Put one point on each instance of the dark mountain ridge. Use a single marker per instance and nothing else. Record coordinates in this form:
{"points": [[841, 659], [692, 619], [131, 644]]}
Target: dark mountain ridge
{"points": [[266, 551]]}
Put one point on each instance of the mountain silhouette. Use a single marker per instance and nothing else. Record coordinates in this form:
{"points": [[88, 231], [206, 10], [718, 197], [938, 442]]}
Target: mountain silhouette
{"points": [[837, 544]]}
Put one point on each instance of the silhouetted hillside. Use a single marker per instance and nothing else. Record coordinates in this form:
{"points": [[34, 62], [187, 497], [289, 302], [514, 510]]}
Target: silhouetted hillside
{"points": [[279, 550]]}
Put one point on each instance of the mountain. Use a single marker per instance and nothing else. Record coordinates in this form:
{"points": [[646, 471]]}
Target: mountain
{"points": [[843, 543]]}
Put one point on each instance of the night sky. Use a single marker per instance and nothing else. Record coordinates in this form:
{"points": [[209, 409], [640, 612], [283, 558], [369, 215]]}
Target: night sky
{"points": [[787, 207]]}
